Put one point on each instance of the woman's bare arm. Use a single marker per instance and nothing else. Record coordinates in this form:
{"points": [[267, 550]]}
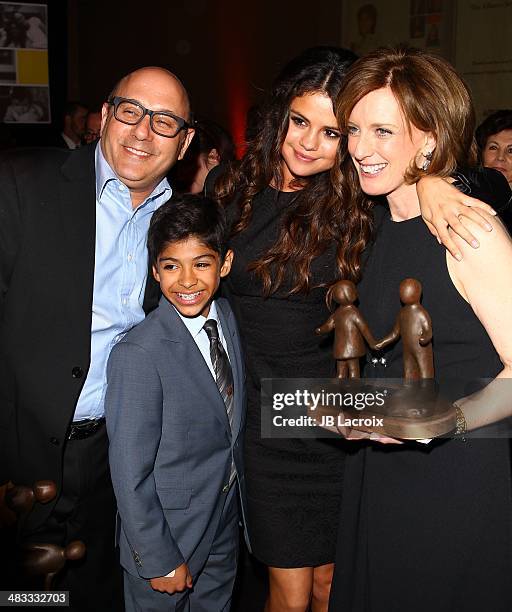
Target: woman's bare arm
{"points": [[484, 279]]}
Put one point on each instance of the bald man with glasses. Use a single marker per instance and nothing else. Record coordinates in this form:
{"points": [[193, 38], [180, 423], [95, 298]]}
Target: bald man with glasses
{"points": [[73, 281]]}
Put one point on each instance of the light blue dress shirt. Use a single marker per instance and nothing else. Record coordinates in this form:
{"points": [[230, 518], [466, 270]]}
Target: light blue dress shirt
{"points": [[195, 328], [120, 271]]}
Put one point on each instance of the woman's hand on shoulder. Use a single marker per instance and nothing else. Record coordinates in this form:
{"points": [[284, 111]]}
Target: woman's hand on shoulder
{"points": [[444, 208]]}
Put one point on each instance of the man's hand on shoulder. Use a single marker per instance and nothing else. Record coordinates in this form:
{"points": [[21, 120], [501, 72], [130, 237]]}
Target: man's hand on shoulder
{"points": [[181, 580]]}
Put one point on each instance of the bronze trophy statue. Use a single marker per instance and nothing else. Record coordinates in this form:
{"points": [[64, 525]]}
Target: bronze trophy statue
{"points": [[21, 499], [414, 326], [39, 559], [413, 410], [350, 330], [49, 559]]}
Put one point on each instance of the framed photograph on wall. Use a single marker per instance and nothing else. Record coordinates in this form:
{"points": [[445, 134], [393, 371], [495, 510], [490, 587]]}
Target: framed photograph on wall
{"points": [[24, 74], [425, 24], [34, 48]]}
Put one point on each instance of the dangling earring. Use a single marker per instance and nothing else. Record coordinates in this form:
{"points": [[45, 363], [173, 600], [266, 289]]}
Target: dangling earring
{"points": [[428, 159]]}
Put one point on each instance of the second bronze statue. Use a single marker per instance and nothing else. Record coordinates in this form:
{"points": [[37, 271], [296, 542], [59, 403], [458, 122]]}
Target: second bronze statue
{"points": [[414, 326]]}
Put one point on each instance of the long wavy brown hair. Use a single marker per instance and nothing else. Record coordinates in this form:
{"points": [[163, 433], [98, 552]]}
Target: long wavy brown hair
{"points": [[318, 216], [431, 96]]}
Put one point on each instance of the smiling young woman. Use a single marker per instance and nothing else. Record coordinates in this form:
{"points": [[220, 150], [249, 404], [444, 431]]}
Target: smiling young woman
{"points": [[312, 138]]}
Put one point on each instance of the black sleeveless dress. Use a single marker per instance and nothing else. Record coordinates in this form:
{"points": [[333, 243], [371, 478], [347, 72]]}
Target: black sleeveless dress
{"points": [[293, 485], [425, 528]]}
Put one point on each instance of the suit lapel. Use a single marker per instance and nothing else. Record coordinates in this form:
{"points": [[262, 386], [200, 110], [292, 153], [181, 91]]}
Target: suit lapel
{"points": [[77, 194], [189, 354], [230, 334]]}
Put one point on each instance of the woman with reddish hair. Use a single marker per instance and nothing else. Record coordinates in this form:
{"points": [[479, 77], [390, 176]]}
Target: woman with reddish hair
{"points": [[427, 527]]}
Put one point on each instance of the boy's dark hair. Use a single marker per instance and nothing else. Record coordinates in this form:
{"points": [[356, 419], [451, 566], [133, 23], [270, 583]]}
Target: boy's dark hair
{"points": [[186, 216]]}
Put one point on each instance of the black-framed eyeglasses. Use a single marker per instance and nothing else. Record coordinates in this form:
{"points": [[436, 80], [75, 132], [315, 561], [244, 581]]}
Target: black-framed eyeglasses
{"points": [[132, 112]]}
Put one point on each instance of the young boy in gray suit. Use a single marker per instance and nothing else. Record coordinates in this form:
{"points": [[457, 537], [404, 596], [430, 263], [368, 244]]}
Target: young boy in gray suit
{"points": [[175, 411]]}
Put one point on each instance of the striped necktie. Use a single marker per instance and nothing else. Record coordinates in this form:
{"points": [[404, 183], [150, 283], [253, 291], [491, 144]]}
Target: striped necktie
{"points": [[221, 367]]}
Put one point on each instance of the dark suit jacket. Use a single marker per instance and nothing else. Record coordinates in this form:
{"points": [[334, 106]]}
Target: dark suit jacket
{"points": [[47, 244], [56, 140], [171, 445]]}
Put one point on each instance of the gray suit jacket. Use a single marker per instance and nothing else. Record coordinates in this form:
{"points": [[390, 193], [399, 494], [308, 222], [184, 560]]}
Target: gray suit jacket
{"points": [[170, 442]]}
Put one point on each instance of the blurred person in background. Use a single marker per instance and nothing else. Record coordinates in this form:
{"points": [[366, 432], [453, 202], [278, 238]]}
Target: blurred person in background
{"points": [[92, 127], [494, 139], [212, 145], [75, 115], [73, 127]]}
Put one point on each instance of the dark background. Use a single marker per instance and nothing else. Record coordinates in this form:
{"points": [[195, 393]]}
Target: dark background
{"points": [[226, 52]]}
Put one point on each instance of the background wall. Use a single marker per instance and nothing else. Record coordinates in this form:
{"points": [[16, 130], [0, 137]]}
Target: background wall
{"points": [[228, 51], [475, 35], [225, 51]]}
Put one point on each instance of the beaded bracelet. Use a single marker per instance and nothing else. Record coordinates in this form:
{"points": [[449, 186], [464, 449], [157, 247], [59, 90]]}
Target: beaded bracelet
{"points": [[461, 425]]}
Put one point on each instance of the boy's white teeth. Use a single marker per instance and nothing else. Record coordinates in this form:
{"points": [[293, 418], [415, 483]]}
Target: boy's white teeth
{"points": [[373, 169], [189, 296]]}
